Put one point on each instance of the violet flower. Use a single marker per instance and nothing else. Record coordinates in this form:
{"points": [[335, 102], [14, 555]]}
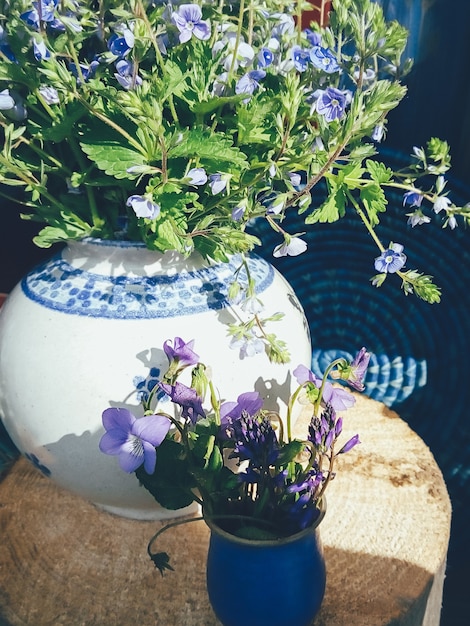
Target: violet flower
{"points": [[180, 352], [331, 103], [143, 207], [249, 402], [188, 21], [133, 440], [391, 260], [323, 59], [293, 247], [186, 398]]}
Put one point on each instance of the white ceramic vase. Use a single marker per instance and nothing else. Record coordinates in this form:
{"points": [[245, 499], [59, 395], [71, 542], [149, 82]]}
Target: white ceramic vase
{"points": [[85, 331]]}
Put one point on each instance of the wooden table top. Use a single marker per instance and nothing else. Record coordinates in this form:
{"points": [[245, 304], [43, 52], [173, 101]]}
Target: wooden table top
{"points": [[385, 535]]}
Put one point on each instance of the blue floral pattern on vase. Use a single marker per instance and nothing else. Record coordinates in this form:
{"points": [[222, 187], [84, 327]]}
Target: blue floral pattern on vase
{"points": [[60, 286]]}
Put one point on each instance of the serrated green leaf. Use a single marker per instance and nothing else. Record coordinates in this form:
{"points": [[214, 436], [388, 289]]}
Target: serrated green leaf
{"points": [[330, 211], [112, 157], [374, 201], [209, 147], [379, 171]]}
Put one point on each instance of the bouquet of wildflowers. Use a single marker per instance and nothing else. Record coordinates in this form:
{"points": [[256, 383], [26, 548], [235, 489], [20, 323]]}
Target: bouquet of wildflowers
{"points": [[179, 125], [240, 462]]}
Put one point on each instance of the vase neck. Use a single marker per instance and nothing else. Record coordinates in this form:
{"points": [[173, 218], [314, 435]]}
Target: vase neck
{"points": [[113, 258]]}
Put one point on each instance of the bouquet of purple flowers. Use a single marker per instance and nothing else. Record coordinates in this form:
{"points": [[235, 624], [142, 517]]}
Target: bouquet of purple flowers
{"points": [[240, 462]]}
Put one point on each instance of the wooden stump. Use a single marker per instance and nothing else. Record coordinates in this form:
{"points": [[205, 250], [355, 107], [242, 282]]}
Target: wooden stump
{"points": [[385, 535]]}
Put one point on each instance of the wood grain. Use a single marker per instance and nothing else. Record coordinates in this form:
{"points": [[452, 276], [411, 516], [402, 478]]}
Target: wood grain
{"points": [[385, 536]]}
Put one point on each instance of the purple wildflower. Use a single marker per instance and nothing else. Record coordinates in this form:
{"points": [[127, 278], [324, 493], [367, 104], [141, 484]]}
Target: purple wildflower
{"points": [[180, 352], [133, 440], [313, 38], [217, 183], [13, 105], [323, 59], [188, 21], [255, 441], [49, 94], [40, 51], [291, 247], [417, 218], [358, 369], [441, 203], [349, 445], [331, 103], [43, 10], [248, 345], [197, 176], [301, 58], [391, 260], [249, 402], [186, 398], [339, 398], [413, 197], [125, 75], [249, 82], [121, 45], [143, 207], [265, 57], [6, 101]]}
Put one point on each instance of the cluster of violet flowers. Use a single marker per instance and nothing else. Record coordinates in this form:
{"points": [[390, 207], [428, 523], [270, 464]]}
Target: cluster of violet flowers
{"points": [[242, 463]]}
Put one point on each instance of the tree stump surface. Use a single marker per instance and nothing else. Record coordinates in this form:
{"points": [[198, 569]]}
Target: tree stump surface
{"points": [[385, 538]]}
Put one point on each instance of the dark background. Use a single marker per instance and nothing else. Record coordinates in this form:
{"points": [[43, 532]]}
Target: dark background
{"points": [[437, 104]]}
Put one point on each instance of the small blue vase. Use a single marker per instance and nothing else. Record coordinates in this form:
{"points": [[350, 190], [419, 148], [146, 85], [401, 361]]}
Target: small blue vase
{"points": [[266, 583]]}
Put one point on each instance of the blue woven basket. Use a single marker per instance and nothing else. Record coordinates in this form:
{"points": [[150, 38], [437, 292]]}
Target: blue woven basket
{"points": [[419, 350]]}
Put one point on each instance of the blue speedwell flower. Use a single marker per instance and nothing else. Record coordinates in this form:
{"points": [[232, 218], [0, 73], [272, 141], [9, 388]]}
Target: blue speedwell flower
{"points": [[188, 21], [323, 59], [331, 103], [50, 94], [414, 197], [391, 260], [301, 58], [293, 246], [143, 207], [197, 176], [121, 45], [125, 75], [249, 82], [133, 440]]}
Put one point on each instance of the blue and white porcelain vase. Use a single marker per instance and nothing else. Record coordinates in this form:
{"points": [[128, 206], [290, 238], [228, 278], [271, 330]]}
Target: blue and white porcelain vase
{"points": [[279, 582], [85, 331]]}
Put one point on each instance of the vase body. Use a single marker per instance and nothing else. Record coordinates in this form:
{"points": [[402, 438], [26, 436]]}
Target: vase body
{"points": [[266, 583], [84, 332]]}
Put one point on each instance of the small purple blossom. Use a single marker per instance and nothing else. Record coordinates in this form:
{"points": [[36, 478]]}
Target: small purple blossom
{"points": [[265, 57], [238, 212], [6, 101], [441, 203], [121, 45], [255, 441], [125, 75], [217, 183], [49, 94], [186, 398], [417, 218], [324, 59], [338, 397], [44, 10], [391, 260], [331, 103], [358, 368], [293, 246], [248, 345], [249, 402], [133, 440], [249, 82], [188, 21], [84, 71], [301, 58], [143, 207], [197, 176], [349, 445], [313, 38], [181, 352], [378, 133], [40, 51], [414, 197]]}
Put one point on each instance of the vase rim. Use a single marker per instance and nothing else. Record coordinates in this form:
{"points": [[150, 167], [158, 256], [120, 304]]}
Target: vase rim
{"points": [[263, 543]]}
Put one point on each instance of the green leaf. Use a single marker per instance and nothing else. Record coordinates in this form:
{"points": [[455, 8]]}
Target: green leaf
{"points": [[374, 201], [170, 484], [290, 451], [209, 147], [112, 156], [379, 172], [330, 211]]}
